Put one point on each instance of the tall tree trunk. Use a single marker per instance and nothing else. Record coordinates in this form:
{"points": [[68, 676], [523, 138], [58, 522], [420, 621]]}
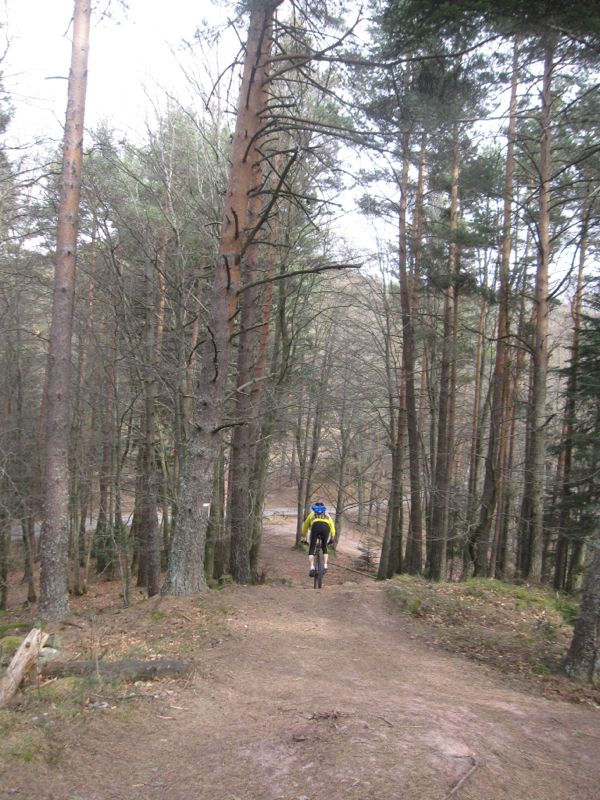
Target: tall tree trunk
{"points": [[537, 464], [524, 538], [185, 573], [574, 568], [301, 449], [513, 392], [493, 461], [79, 471], [54, 599], [261, 433], [413, 562], [188, 371], [101, 537], [390, 560], [5, 535], [217, 553], [583, 658], [314, 422], [272, 390], [441, 483], [343, 453], [451, 438], [25, 481], [243, 440], [413, 557], [560, 564], [256, 304], [321, 404], [476, 432], [148, 529], [498, 559]]}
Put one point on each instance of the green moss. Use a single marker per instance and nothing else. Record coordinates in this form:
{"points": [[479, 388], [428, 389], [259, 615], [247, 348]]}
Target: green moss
{"points": [[523, 596], [414, 607], [61, 690], [12, 626], [546, 629], [9, 646], [515, 627], [542, 669], [489, 587], [568, 609]]}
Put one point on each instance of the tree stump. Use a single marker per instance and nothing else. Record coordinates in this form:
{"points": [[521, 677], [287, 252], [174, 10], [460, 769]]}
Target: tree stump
{"points": [[23, 660]]}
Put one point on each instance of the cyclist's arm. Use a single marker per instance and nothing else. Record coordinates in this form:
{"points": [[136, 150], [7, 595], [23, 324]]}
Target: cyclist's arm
{"points": [[331, 528], [307, 524]]}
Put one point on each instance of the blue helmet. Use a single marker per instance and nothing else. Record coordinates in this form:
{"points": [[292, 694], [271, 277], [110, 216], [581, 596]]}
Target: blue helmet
{"points": [[318, 508]]}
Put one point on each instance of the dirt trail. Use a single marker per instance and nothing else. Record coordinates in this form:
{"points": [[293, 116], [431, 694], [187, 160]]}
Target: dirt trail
{"points": [[326, 696]]}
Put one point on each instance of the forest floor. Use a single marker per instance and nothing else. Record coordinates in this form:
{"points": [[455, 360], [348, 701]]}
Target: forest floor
{"points": [[359, 691]]}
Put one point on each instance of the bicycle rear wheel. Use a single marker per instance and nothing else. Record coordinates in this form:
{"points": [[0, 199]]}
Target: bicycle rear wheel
{"points": [[318, 579]]}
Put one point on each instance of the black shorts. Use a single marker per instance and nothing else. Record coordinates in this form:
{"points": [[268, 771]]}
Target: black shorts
{"points": [[318, 530]]}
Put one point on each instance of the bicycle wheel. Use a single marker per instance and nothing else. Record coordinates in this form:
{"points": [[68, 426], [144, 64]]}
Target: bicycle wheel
{"points": [[318, 578]]}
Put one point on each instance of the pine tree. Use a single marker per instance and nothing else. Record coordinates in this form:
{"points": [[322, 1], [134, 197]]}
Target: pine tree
{"points": [[583, 658]]}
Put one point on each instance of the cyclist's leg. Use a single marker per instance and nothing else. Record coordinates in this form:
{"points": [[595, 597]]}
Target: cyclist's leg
{"points": [[311, 553], [324, 538]]}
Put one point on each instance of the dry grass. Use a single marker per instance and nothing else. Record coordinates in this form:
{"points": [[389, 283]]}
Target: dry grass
{"points": [[523, 631]]}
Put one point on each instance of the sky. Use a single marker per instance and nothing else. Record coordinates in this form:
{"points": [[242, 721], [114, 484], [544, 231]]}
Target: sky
{"points": [[131, 51], [134, 56]]}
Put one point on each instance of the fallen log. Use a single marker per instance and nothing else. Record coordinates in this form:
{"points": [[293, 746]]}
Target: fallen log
{"points": [[23, 660], [129, 670]]}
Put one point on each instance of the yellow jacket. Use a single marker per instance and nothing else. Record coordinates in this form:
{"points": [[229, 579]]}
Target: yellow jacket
{"points": [[322, 518]]}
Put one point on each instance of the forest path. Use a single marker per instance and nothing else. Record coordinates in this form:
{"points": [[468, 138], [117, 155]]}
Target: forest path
{"points": [[327, 696]]}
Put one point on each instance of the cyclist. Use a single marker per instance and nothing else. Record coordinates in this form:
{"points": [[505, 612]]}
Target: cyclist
{"points": [[321, 527]]}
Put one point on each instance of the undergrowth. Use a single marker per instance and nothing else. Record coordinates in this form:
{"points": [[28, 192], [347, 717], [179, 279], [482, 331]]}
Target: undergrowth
{"points": [[522, 630]]}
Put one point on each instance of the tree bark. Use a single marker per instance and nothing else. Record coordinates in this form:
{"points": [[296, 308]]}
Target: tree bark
{"points": [[216, 559], [273, 388], [308, 451], [413, 557], [560, 564], [391, 560], [583, 658], [22, 662], [493, 461], [477, 426], [413, 562], [244, 434], [148, 477], [185, 573], [262, 433], [130, 670], [441, 483], [301, 448], [249, 387], [537, 463], [4, 549], [54, 602]]}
